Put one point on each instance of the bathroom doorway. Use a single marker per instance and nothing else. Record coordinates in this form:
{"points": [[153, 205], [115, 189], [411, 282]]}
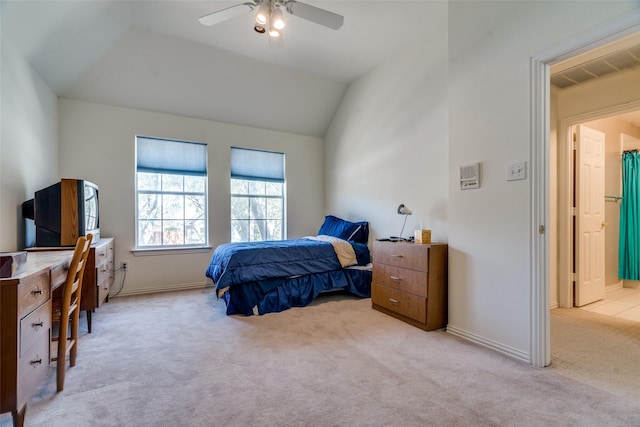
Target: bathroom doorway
{"points": [[620, 298], [612, 123], [620, 133]]}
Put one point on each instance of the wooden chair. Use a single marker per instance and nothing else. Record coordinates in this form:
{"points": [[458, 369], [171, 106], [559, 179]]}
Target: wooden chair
{"points": [[66, 309]]}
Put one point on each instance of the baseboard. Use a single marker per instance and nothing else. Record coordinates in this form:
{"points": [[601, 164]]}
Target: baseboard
{"points": [[553, 304], [477, 339], [169, 288], [614, 287]]}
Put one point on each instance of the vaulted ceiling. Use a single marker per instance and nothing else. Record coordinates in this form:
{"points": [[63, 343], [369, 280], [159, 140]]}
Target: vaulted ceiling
{"points": [[155, 55]]}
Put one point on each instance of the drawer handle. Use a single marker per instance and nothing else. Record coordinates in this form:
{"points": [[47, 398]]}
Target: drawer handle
{"points": [[395, 278], [38, 324], [393, 301], [35, 362], [36, 292], [397, 256]]}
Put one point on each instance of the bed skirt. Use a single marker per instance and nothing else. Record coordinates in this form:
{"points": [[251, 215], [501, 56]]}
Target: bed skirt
{"points": [[275, 295]]}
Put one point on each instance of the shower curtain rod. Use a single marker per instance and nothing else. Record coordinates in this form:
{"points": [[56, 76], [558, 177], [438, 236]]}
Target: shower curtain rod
{"points": [[629, 151]]}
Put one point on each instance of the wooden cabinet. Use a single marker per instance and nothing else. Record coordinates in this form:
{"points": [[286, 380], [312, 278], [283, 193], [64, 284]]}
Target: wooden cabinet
{"points": [[25, 328], [98, 276], [410, 282]]}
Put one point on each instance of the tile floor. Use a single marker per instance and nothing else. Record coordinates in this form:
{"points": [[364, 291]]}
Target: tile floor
{"points": [[622, 302]]}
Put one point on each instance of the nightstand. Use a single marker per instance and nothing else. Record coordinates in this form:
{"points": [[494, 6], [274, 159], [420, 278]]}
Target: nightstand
{"points": [[410, 282]]}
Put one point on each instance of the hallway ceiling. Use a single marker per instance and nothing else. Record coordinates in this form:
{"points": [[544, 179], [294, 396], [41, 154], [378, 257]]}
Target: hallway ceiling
{"points": [[620, 55], [608, 64]]}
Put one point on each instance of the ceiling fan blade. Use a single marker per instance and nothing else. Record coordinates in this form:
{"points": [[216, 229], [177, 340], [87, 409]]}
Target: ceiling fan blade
{"points": [[315, 14], [225, 14]]}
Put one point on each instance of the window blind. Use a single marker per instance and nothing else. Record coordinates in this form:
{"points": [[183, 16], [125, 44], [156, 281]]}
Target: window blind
{"points": [[257, 165], [172, 157]]}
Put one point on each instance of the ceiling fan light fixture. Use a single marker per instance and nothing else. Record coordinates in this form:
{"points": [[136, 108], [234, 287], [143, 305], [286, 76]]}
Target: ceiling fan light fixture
{"points": [[262, 15], [277, 18], [269, 16], [273, 32]]}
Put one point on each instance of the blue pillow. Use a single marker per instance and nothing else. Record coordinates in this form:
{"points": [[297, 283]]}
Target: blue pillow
{"points": [[345, 230]]}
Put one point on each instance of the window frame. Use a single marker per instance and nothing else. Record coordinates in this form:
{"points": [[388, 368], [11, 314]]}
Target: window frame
{"points": [[166, 248], [271, 168], [248, 195]]}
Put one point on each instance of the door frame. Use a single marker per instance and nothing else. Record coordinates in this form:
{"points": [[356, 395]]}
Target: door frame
{"points": [[540, 99], [565, 202]]}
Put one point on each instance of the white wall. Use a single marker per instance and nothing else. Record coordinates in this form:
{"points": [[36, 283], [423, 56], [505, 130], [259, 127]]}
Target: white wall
{"points": [[97, 142], [387, 143], [459, 95], [490, 46], [28, 142]]}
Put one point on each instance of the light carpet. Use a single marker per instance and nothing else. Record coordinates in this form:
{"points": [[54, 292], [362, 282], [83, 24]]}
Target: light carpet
{"points": [[597, 349], [176, 359]]}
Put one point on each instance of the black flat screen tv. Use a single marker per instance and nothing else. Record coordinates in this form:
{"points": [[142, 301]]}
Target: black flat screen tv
{"points": [[65, 211]]}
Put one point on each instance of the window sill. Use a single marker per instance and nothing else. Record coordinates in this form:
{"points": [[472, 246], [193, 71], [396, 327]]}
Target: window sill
{"points": [[171, 251]]}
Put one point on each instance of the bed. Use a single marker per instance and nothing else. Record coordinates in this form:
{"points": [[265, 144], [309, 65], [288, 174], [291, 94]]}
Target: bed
{"points": [[272, 276]]}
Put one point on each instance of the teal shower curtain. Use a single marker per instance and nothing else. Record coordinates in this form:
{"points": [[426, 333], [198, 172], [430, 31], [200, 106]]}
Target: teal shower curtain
{"points": [[629, 251]]}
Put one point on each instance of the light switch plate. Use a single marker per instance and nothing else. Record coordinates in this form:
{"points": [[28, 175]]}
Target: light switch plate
{"points": [[516, 171]]}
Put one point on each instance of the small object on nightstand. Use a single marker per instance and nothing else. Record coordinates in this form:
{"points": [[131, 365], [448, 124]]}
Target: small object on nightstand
{"points": [[422, 236]]}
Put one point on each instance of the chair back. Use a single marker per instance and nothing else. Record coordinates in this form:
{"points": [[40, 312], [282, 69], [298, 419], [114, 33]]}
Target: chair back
{"points": [[68, 308], [72, 290]]}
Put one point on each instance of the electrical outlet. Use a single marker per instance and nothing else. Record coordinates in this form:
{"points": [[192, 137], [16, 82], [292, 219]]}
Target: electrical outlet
{"points": [[124, 266]]}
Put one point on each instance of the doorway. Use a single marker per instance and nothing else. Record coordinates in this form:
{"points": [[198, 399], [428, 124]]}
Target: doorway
{"points": [[615, 127], [546, 263]]}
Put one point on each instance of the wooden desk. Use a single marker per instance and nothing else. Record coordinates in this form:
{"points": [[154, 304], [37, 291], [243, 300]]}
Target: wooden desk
{"points": [[25, 328], [98, 274]]}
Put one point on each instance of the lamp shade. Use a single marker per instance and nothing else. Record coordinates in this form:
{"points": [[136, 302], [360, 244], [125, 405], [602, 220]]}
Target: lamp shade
{"points": [[262, 15], [273, 32], [277, 19], [403, 210]]}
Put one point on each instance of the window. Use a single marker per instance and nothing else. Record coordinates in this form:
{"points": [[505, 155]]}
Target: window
{"points": [[257, 195], [171, 194]]}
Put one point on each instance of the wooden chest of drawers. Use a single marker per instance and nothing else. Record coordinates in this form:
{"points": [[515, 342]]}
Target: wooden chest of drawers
{"points": [[410, 282], [98, 276], [25, 328]]}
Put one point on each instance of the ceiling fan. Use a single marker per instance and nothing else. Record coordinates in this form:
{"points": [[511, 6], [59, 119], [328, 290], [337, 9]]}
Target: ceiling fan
{"points": [[270, 18]]}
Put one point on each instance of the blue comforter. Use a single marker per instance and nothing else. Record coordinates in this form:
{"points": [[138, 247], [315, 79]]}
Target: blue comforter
{"points": [[237, 263]]}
